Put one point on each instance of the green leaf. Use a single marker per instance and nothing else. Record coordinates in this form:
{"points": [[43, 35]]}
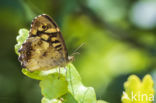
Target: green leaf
{"points": [[52, 87], [34, 75], [45, 100], [23, 35], [81, 93], [68, 98]]}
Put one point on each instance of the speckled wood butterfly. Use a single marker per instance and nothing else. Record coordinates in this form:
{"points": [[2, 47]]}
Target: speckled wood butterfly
{"points": [[45, 48]]}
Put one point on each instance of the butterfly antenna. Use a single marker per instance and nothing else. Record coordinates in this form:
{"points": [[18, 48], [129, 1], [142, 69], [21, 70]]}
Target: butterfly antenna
{"points": [[75, 51]]}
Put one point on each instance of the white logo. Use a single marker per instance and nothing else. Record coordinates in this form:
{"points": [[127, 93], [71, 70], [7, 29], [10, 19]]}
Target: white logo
{"points": [[138, 96]]}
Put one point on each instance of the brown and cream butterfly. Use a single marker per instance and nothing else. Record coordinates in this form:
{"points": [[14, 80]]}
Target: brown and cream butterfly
{"points": [[45, 48]]}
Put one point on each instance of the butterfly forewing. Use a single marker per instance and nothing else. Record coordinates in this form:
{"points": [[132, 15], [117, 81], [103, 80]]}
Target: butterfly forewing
{"points": [[45, 47]]}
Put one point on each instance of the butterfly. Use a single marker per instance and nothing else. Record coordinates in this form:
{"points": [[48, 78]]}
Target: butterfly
{"points": [[44, 48]]}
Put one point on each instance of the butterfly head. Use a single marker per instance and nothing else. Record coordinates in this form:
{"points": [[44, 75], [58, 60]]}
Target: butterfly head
{"points": [[70, 58]]}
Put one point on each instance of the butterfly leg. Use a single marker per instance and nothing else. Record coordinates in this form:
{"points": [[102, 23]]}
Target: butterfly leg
{"points": [[59, 74], [66, 72]]}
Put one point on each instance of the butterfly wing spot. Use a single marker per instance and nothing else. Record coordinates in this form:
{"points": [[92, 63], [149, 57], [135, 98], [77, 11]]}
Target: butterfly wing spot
{"points": [[59, 49], [57, 29], [51, 30], [39, 43], [56, 45], [53, 39], [44, 54], [44, 36], [44, 27], [34, 32], [45, 45], [40, 28]]}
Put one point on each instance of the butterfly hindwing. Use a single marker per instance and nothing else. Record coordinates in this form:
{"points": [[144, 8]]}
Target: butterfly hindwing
{"points": [[45, 48]]}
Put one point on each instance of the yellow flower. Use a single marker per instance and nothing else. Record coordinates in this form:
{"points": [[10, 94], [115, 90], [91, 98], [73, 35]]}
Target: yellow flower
{"points": [[137, 91]]}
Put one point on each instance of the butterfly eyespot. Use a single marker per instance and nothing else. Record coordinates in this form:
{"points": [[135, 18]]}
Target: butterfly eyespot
{"points": [[44, 27]]}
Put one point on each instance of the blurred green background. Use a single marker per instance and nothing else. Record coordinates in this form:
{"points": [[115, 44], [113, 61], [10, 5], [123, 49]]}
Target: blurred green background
{"points": [[119, 39]]}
